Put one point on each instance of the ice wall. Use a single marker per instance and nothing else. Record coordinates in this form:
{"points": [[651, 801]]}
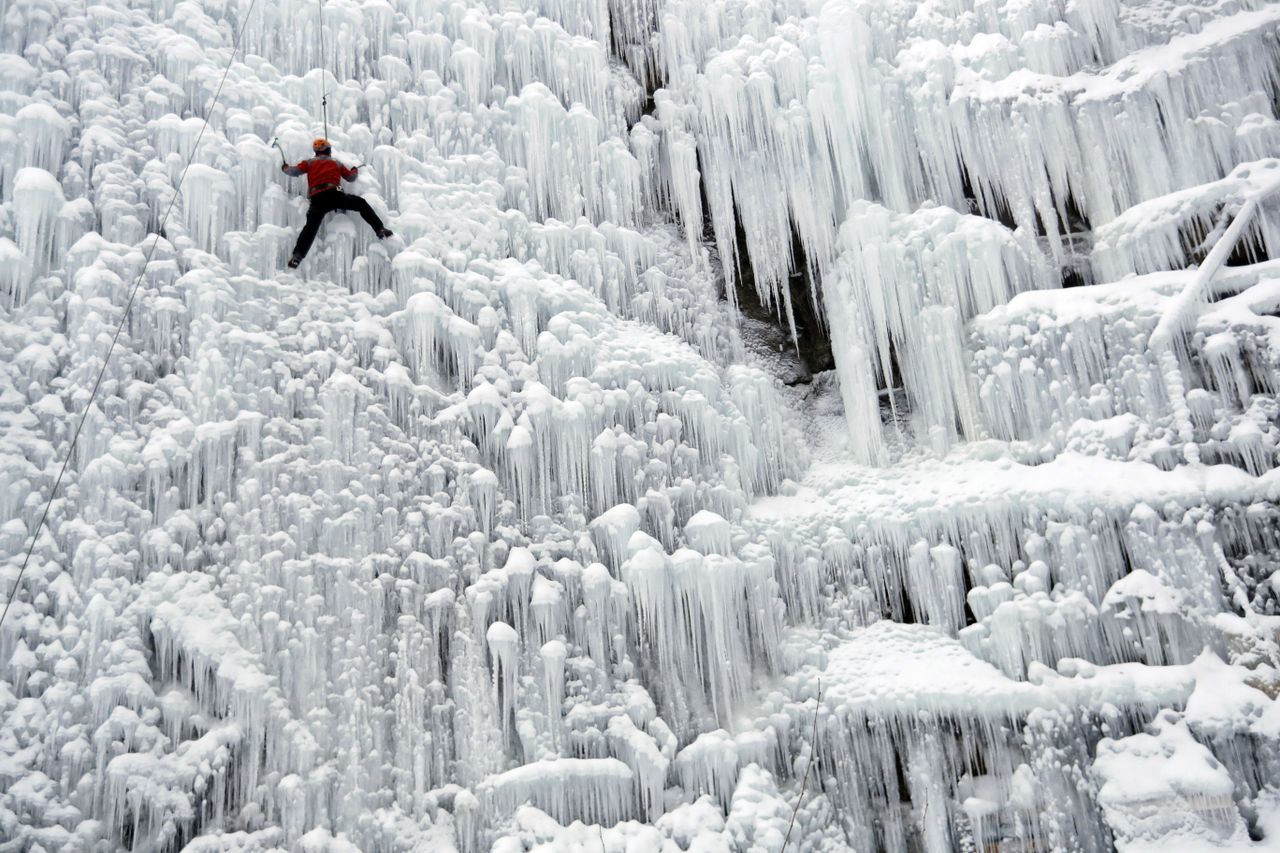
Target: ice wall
{"points": [[322, 572], [500, 535]]}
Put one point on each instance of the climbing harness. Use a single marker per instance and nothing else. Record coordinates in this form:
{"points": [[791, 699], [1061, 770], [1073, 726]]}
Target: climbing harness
{"points": [[124, 317]]}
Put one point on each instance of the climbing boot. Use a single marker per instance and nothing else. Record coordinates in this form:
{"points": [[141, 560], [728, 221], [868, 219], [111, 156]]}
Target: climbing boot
{"points": [[384, 233], [294, 261]]}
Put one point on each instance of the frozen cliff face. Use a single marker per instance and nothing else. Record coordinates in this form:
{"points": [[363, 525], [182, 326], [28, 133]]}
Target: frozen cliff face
{"points": [[502, 534]]}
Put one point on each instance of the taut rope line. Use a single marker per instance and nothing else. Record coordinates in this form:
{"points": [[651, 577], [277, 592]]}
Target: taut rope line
{"points": [[124, 318]]}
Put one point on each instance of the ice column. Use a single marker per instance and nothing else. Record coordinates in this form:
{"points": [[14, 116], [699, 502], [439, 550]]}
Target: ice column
{"points": [[903, 288]]}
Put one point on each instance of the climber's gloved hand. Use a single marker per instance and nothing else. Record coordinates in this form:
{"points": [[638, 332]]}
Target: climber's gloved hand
{"points": [[284, 167]]}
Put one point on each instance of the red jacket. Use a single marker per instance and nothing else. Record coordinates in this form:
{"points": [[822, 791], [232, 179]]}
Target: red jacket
{"points": [[323, 173]]}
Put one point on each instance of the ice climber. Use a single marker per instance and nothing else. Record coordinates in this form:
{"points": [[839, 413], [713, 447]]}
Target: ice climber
{"points": [[323, 188]]}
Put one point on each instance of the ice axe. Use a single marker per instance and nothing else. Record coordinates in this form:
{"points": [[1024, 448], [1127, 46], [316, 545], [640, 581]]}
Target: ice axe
{"points": [[275, 143]]}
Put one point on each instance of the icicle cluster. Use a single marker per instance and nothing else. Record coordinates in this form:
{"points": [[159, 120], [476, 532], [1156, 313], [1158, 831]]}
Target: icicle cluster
{"points": [[499, 535]]}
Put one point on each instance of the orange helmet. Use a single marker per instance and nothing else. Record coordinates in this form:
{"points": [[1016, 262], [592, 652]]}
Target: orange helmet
{"points": [[320, 144]]}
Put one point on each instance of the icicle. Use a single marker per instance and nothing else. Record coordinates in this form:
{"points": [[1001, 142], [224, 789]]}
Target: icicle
{"points": [[38, 199], [647, 762], [15, 274], [504, 646], [210, 205], [44, 135], [612, 531], [594, 790], [553, 657], [709, 533]]}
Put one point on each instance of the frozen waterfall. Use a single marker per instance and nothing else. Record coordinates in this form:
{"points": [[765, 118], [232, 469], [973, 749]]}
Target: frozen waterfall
{"points": [[775, 426]]}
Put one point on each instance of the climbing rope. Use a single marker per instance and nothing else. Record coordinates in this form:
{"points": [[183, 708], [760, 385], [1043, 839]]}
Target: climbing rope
{"points": [[124, 318], [324, 80], [809, 767]]}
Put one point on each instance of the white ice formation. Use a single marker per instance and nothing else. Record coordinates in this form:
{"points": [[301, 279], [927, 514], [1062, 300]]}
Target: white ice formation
{"points": [[506, 535]]}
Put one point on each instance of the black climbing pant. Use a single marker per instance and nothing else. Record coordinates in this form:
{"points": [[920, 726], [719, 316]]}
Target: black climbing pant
{"points": [[321, 205]]}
